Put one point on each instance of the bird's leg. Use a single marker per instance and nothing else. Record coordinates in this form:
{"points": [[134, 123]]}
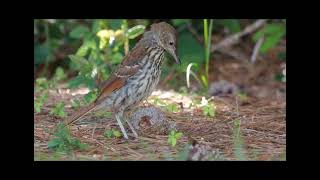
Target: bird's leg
{"points": [[120, 125], [131, 127]]}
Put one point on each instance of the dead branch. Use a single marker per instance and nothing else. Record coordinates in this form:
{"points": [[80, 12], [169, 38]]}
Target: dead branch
{"points": [[256, 50], [233, 53], [234, 38]]}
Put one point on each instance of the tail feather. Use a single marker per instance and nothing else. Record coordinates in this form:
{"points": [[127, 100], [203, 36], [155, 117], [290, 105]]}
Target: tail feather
{"points": [[83, 111]]}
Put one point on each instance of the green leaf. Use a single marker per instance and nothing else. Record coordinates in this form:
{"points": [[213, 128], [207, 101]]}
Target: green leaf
{"points": [[37, 106], [204, 80], [86, 46], [42, 83], [270, 29], [135, 31], [172, 133], [78, 61], [108, 134], [54, 143], [116, 133], [38, 103], [116, 58], [272, 33], [270, 42], [173, 142], [79, 32], [82, 51], [59, 74], [209, 110], [76, 82], [90, 97], [58, 110], [172, 107], [178, 135]]}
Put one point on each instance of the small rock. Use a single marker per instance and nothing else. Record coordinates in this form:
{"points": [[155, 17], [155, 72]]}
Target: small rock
{"points": [[151, 118], [222, 88], [202, 152]]}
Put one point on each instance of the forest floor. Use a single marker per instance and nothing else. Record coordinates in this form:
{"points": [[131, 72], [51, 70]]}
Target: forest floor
{"points": [[262, 117]]}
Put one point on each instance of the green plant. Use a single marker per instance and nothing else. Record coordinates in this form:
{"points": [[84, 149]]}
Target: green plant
{"points": [[172, 107], [58, 110], [157, 101], [58, 76], [112, 133], [63, 142], [238, 143], [272, 34], [242, 96], [41, 88], [207, 106], [42, 84], [209, 110], [39, 102], [174, 137], [100, 50], [207, 44]]}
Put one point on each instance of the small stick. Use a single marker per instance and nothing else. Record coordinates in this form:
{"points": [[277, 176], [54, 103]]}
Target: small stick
{"points": [[234, 38], [256, 49]]}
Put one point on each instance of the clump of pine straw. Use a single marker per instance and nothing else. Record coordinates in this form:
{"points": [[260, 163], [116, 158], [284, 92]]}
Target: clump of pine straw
{"points": [[262, 126]]}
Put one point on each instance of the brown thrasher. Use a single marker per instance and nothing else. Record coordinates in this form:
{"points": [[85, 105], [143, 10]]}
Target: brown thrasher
{"points": [[136, 77]]}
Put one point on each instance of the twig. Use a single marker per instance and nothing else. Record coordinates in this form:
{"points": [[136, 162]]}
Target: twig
{"points": [[95, 125], [234, 38], [256, 49], [234, 54]]}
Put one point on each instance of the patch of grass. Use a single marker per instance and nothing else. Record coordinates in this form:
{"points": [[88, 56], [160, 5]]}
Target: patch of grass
{"points": [[63, 142]]}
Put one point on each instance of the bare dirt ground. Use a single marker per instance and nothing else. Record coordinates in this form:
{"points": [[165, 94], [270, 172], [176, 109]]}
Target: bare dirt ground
{"points": [[262, 121]]}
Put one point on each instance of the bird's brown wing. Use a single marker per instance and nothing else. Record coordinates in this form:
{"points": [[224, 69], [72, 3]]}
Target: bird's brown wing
{"points": [[128, 67]]}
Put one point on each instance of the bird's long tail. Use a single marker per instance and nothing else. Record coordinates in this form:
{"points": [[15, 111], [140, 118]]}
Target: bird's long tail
{"points": [[83, 111]]}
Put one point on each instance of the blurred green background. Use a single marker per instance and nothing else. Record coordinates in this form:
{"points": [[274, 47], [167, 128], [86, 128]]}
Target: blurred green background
{"points": [[85, 51]]}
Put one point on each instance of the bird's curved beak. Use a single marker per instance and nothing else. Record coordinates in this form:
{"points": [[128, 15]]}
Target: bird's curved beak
{"points": [[175, 56]]}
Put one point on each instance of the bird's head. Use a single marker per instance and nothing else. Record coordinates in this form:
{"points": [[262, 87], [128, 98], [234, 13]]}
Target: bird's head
{"points": [[166, 37]]}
